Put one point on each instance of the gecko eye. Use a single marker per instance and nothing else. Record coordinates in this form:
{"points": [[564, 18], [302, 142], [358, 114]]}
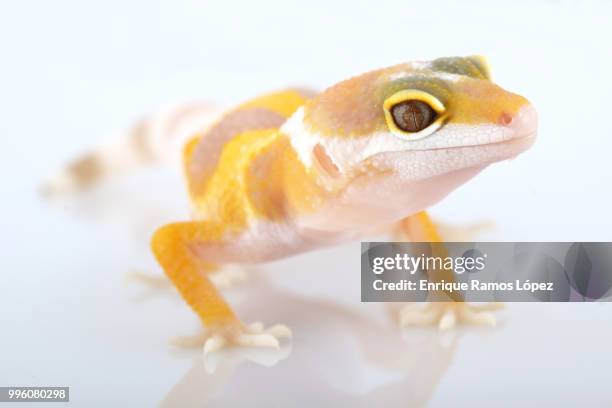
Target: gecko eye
{"points": [[413, 115]]}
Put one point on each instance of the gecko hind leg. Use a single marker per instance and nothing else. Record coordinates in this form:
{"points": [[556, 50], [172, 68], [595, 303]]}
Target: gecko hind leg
{"points": [[445, 315], [172, 245]]}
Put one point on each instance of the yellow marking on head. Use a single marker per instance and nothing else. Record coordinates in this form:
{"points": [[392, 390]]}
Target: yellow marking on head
{"points": [[458, 86], [483, 65], [474, 66], [476, 102]]}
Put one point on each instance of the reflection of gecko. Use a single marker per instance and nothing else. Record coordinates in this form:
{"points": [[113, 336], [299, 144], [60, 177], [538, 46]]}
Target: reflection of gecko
{"points": [[412, 364], [289, 172]]}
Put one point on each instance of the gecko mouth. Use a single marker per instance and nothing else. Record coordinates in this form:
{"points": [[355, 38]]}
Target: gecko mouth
{"points": [[514, 146], [493, 152], [525, 141], [460, 159], [522, 127]]}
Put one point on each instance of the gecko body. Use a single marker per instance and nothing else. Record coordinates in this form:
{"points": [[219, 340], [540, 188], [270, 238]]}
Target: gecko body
{"points": [[294, 171], [290, 172]]}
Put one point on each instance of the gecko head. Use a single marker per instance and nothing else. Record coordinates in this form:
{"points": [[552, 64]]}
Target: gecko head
{"points": [[436, 105], [438, 118]]}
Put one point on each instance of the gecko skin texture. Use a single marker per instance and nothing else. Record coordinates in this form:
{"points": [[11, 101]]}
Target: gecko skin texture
{"points": [[293, 171]]}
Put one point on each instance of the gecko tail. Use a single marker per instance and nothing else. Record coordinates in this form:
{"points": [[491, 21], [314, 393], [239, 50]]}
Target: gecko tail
{"points": [[154, 140]]}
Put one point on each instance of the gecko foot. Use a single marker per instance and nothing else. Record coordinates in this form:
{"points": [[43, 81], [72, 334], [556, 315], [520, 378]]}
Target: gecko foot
{"points": [[446, 315], [223, 278], [253, 335], [228, 276], [149, 280]]}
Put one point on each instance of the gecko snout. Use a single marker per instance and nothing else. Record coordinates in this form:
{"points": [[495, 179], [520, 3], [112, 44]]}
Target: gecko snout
{"points": [[523, 123]]}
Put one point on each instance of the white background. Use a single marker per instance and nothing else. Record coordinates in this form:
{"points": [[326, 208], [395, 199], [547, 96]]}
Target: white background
{"points": [[72, 72]]}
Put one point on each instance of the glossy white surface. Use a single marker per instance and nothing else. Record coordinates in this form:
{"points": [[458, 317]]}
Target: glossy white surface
{"points": [[73, 71]]}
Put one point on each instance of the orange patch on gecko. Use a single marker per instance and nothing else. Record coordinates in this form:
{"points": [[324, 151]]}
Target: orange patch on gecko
{"points": [[283, 102], [269, 111], [279, 185], [201, 160], [479, 101], [225, 200], [258, 176]]}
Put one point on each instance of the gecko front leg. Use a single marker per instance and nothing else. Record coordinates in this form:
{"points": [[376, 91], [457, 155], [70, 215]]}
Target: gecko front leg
{"points": [[174, 247], [420, 228]]}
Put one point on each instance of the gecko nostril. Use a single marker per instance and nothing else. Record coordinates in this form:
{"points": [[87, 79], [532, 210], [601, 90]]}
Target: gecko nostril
{"points": [[505, 119]]}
